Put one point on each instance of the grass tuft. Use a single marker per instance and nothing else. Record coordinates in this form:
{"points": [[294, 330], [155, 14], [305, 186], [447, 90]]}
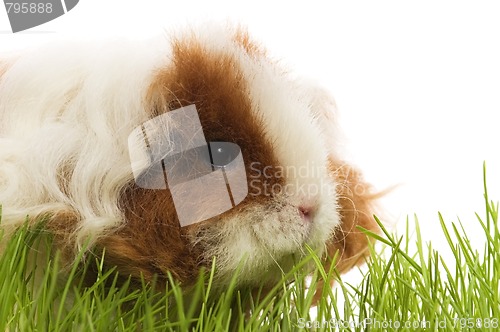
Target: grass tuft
{"points": [[402, 289]]}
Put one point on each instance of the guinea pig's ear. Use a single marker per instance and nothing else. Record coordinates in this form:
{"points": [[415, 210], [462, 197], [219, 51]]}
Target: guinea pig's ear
{"points": [[324, 110]]}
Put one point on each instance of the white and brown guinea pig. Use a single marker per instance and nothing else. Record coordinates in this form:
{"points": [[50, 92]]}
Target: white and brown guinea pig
{"points": [[66, 116]]}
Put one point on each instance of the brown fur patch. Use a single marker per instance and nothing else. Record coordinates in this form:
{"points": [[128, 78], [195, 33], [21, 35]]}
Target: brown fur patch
{"points": [[62, 226], [3, 68], [356, 200], [152, 241], [243, 38]]}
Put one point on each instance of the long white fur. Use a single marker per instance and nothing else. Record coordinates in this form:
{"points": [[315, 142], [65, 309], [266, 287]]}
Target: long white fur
{"points": [[78, 103], [74, 103]]}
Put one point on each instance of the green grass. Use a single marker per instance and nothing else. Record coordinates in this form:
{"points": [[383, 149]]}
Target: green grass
{"points": [[401, 285]]}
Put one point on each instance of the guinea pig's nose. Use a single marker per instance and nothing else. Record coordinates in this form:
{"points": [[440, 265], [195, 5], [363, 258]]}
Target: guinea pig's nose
{"points": [[306, 212]]}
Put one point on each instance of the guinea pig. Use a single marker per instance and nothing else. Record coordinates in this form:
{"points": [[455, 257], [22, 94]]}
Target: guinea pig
{"points": [[169, 152]]}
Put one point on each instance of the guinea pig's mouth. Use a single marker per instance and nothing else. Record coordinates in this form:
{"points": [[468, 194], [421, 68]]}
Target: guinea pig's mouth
{"points": [[285, 230], [270, 238], [305, 212]]}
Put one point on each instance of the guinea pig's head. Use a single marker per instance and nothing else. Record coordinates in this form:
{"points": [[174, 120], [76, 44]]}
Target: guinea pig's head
{"points": [[287, 188]]}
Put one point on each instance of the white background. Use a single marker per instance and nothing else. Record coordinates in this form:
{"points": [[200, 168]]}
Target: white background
{"points": [[417, 83]]}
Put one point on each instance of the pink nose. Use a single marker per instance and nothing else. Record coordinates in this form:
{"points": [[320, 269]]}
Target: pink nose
{"points": [[306, 212]]}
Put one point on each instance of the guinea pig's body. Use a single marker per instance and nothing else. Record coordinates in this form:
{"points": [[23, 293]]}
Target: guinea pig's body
{"points": [[66, 116]]}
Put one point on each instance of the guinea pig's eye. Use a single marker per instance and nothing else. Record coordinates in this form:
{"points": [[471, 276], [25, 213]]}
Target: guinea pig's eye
{"points": [[223, 153]]}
